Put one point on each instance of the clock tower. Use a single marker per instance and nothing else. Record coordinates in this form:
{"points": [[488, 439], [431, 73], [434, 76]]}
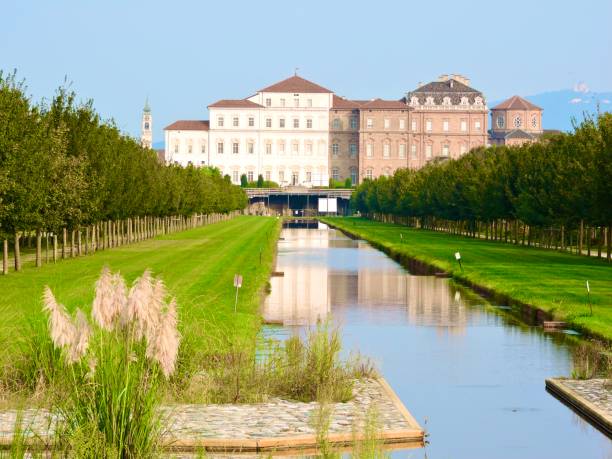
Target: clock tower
{"points": [[146, 136]]}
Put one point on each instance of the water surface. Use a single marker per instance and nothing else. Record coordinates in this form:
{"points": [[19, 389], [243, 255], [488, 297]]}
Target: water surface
{"points": [[468, 372]]}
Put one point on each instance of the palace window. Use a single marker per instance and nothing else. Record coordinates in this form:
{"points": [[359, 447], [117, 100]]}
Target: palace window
{"points": [[235, 121], [251, 148], [268, 122], [501, 122], [427, 151], [387, 123], [353, 175], [335, 149], [296, 147], [146, 126], [309, 102], [402, 124], [250, 176], [413, 151], [369, 150], [402, 150], [281, 176], [308, 175], [309, 123], [309, 148], [236, 177], [296, 102], [220, 121], [353, 150], [477, 125], [414, 125], [220, 148], [336, 124], [369, 174], [428, 125], [445, 150], [176, 147], [268, 176], [386, 150], [281, 147], [203, 147], [281, 123], [445, 125], [268, 102], [370, 123], [251, 121], [534, 122], [235, 148], [335, 173], [353, 122], [268, 148], [190, 148], [296, 123], [282, 102], [463, 126]]}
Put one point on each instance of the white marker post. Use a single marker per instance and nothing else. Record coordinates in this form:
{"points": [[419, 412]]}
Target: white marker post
{"points": [[458, 258], [588, 287], [237, 284]]}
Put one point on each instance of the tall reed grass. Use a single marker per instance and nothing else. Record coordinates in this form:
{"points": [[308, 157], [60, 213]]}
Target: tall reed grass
{"points": [[113, 368]]}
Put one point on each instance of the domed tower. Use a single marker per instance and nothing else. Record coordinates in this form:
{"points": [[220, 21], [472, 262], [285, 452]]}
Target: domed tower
{"points": [[146, 136], [515, 121]]}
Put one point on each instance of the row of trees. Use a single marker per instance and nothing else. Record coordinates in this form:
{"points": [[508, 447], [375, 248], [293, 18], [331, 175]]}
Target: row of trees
{"points": [[62, 167], [554, 193]]}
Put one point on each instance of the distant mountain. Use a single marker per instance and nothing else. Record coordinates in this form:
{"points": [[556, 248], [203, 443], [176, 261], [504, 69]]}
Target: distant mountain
{"points": [[560, 107]]}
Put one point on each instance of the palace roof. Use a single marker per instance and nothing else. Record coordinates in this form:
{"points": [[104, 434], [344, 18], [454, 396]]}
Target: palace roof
{"points": [[295, 84], [235, 103], [449, 88], [516, 103], [342, 103], [380, 104], [188, 125]]}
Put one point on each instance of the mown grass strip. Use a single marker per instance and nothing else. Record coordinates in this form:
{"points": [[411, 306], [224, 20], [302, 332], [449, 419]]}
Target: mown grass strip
{"points": [[197, 266], [551, 281]]}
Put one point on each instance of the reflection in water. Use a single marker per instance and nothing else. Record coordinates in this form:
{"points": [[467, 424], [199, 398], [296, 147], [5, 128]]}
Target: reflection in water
{"points": [[466, 371]]}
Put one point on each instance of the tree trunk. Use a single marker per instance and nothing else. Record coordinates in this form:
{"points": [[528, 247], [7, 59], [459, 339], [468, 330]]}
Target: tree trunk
{"points": [[64, 237], [563, 238], [609, 242], [5, 257], [87, 240], [54, 248], [600, 233], [580, 237], [17, 252], [38, 248], [46, 247], [72, 244]]}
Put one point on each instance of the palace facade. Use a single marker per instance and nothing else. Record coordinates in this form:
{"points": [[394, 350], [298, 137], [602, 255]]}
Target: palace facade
{"points": [[296, 132]]}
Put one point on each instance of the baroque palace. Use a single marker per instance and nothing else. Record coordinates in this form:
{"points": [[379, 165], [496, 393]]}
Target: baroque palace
{"points": [[298, 133]]}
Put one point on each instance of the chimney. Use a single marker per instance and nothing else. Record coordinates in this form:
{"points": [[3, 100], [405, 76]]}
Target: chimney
{"points": [[443, 77], [451, 82]]}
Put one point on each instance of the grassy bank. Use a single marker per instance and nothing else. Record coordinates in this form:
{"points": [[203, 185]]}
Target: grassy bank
{"points": [[551, 281], [197, 266]]}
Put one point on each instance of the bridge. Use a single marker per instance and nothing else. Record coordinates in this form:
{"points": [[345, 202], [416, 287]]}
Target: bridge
{"points": [[299, 201]]}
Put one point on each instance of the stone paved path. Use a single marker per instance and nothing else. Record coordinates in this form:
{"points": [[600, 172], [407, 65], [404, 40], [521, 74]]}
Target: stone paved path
{"points": [[592, 390], [277, 418]]}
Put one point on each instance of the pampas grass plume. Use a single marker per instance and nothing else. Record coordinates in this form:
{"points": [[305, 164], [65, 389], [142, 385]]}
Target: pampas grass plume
{"points": [[62, 330]]}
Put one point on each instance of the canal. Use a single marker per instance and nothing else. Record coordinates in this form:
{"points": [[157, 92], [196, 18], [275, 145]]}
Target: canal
{"points": [[470, 373]]}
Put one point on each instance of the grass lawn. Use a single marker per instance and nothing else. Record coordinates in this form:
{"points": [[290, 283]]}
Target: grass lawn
{"points": [[549, 280], [197, 266]]}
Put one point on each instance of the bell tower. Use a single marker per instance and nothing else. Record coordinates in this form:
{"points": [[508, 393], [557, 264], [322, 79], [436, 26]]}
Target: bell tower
{"points": [[146, 136]]}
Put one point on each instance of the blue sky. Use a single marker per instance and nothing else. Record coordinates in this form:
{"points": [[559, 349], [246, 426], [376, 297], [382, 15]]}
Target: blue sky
{"points": [[184, 55]]}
